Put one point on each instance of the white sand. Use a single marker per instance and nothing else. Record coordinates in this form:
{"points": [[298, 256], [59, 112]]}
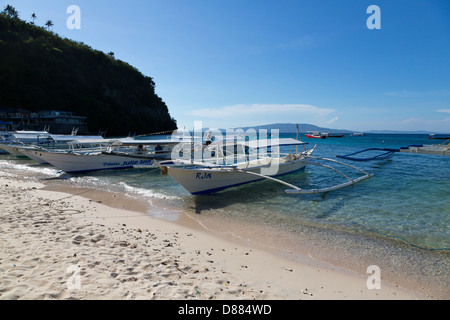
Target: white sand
{"points": [[57, 246]]}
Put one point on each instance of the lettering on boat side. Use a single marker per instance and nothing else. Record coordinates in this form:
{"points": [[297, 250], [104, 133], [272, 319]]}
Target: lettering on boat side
{"points": [[110, 164], [203, 176], [127, 163]]}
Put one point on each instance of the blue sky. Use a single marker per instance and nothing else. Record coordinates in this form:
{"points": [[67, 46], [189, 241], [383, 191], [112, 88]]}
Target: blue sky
{"points": [[248, 62]]}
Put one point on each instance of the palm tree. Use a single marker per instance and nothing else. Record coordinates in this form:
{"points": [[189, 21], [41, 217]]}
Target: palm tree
{"points": [[34, 17], [11, 11], [49, 24]]}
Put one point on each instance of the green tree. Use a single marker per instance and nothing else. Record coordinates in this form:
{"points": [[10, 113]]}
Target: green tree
{"points": [[11, 12], [49, 24], [34, 17]]}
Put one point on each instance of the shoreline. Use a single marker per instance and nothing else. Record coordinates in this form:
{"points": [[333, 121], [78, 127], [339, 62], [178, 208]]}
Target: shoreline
{"points": [[191, 263], [350, 253]]}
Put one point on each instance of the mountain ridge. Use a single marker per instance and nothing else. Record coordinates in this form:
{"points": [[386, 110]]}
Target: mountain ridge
{"points": [[304, 127]]}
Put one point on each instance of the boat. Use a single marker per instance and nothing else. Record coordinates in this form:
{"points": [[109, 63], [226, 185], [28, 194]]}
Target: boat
{"points": [[10, 141], [238, 163], [19, 140], [442, 149], [315, 135], [334, 135], [358, 134], [106, 154], [434, 136]]}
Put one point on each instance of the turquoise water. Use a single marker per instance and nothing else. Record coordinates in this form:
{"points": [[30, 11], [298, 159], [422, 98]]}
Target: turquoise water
{"points": [[407, 198]]}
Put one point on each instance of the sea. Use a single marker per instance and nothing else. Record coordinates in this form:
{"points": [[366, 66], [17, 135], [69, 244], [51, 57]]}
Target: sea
{"points": [[399, 219]]}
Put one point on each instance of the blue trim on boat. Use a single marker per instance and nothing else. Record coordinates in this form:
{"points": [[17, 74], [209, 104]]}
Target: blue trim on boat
{"points": [[239, 184], [91, 170]]}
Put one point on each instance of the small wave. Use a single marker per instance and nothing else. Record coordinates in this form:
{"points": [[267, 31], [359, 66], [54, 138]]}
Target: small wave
{"points": [[147, 192], [49, 171]]}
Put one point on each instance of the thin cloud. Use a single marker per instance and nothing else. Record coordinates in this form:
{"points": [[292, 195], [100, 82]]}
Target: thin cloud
{"points": [[443, 110], [261, 110], [333, 120]]}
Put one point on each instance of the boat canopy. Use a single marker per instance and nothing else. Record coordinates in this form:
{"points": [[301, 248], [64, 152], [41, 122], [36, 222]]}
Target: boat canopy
{"points": [[30, 135], [91, 141], [133, 142], [66, 138]]}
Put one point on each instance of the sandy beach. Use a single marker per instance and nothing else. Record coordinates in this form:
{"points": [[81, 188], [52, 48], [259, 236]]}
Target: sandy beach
{"points": [[56, 245]]}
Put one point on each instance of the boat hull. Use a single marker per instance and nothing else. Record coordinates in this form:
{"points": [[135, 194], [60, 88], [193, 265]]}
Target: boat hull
{"points": [[335, 135], [429, 149], [73, 162], [315, 136], [208, 180], [12, 149], [32, 154]]}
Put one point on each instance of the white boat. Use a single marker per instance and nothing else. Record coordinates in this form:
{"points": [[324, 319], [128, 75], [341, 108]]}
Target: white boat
{"points": [[248, 164], [18, 140], [111, 154], [442, 149], [12, 148], [11, 140]]}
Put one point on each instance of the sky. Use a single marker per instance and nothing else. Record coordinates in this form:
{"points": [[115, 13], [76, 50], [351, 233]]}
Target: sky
{"points": [[251, 62]]}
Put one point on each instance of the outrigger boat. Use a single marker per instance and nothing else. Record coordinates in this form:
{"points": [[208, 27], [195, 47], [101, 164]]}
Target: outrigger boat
{"points": [[106, 154], [249, 164], [315, 135], [334, 135], [442, 149], [19, 140], [434, 136]]}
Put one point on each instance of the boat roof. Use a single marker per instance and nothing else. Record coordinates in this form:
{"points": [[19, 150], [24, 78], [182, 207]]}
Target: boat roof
{"points": [[94, 140], [133, 142], [68, 137], [125, 142], [30, 135]]}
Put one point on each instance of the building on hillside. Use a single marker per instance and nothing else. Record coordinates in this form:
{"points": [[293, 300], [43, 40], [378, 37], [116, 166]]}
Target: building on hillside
{"points": [[54, 121]]}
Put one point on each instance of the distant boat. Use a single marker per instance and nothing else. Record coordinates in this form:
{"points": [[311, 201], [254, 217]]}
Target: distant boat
{"points": [[316, 135], [433, 136], [358, 134], [334, 135]]}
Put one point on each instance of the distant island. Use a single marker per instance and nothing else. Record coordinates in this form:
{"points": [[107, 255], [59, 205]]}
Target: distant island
{"points": [[292, 128], [40, 71], [304, 127]]}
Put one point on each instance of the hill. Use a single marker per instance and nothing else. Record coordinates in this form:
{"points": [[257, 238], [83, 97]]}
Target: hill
{"points": [[39, 70], [292, 128]]}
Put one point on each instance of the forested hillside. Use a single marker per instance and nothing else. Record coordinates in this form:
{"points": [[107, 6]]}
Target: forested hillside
{"points": [[39, 70]]}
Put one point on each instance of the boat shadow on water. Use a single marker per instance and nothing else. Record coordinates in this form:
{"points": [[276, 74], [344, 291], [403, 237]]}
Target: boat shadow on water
{"points": [[262, 190], [250, 194]]}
